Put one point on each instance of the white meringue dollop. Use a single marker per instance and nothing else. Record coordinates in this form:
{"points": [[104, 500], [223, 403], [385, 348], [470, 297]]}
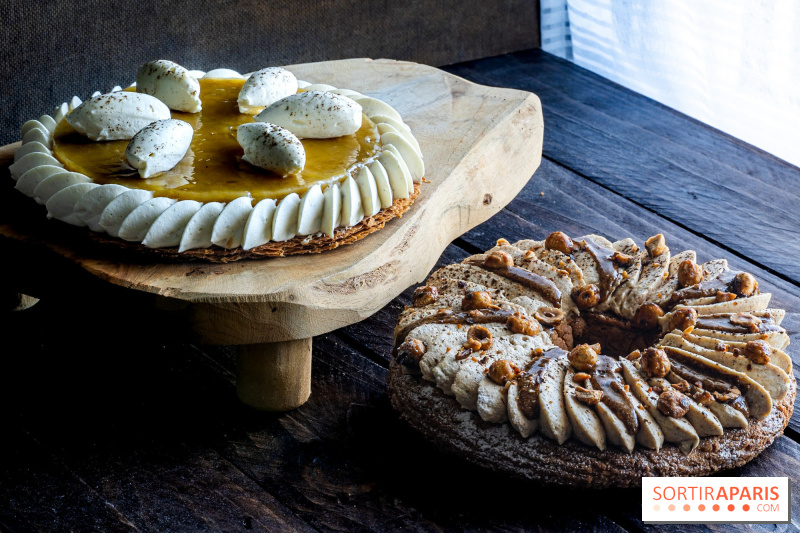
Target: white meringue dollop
{"points": [[116, 116], [271, 147], [314, 115], [159, 146], [170, 83], [265, 87]]}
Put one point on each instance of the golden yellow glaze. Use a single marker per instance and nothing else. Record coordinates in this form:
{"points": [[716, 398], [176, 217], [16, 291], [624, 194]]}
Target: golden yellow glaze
{"points": [[213, 169]]}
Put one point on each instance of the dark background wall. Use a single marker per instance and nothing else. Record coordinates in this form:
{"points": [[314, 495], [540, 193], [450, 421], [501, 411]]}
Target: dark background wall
{"points": [[54, 49]]}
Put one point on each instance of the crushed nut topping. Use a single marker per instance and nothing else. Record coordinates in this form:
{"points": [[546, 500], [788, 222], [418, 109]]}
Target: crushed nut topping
{"points": [[580, 377], [703, 397], [758, 352], [498, 259], [621, 259], [559, 241], [723, 296], [587, 296], [744, 284], [647, 316], [549, 316], [502, 371], [673, 404], [634, 355], [425, 296], [588, 397], [655, 363], [477, 300], [524, 326], [683, 319], [656, 245], [583, 356], [689, 273], [746, 320], [727, 396]]}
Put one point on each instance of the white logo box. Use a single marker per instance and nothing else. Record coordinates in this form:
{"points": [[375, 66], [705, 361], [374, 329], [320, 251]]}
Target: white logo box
{"points": [[721, 500]]}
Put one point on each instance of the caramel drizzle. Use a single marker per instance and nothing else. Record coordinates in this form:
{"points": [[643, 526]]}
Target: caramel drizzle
{"points": [[531, 379], [706, 288], [483, 316], [712, 378], [723, 323], [712, 384], [533, 281], [607, 377], [606, 268]]}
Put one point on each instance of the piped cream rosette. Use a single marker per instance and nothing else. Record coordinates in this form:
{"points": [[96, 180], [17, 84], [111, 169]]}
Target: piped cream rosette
{"points": [[158, 222]]}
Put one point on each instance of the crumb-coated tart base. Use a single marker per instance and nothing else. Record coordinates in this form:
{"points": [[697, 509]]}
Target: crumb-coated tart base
{"points": [[442, 421]]}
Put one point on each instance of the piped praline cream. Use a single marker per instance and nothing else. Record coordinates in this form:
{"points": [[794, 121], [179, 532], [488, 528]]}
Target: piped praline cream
{"points": [[213, 169]]}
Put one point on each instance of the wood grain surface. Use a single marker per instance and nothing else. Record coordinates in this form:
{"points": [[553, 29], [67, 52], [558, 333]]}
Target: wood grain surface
{"points": [[480, 145], [141, 433]]}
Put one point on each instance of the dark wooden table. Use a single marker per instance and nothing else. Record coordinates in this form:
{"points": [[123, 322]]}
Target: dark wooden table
{"points": [[107, 430]]}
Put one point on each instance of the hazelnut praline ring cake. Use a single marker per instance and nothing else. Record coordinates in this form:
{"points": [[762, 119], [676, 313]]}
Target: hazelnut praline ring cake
{"points": [[589, 363], [221, 166]]}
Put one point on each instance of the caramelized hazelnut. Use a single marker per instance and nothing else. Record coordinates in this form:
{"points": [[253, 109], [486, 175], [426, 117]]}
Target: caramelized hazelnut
{"points": [[723, 296], [425, 296], [683, 319], [479, 338], [656, 245], [689, 273], [549, 316], [411, 351], [758, 352], [498, 259], [744, 284], [477, 300], [673, 404], [587, 296], [502, 371], [746, 320], [655, 363], [647, 316], [587, 396], [559, 241], [583, 357], [524, 326], [502, 242], [580, 377]]}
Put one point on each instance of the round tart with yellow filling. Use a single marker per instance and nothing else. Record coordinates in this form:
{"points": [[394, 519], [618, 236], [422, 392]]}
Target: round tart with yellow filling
{"points": [[593, 363], [221, 166]]}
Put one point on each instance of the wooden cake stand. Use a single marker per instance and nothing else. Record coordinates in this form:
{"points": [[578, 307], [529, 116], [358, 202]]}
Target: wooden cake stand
{"points": [[480, 144]]}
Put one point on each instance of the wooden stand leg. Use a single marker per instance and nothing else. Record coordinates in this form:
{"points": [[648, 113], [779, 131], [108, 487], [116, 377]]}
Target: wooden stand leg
{"points": [[274, 376]]}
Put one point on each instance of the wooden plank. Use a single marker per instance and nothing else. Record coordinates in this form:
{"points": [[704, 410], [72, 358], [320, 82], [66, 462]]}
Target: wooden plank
{"points": [[37, 493], [581, 87], [706, 182], [133, 421]]}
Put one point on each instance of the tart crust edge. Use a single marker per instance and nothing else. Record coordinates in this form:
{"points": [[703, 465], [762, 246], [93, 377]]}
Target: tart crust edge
{"points": [[442, 421]]}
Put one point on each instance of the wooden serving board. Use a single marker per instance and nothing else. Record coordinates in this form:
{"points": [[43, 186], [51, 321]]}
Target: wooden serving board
{"points": [[480, 145]]}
